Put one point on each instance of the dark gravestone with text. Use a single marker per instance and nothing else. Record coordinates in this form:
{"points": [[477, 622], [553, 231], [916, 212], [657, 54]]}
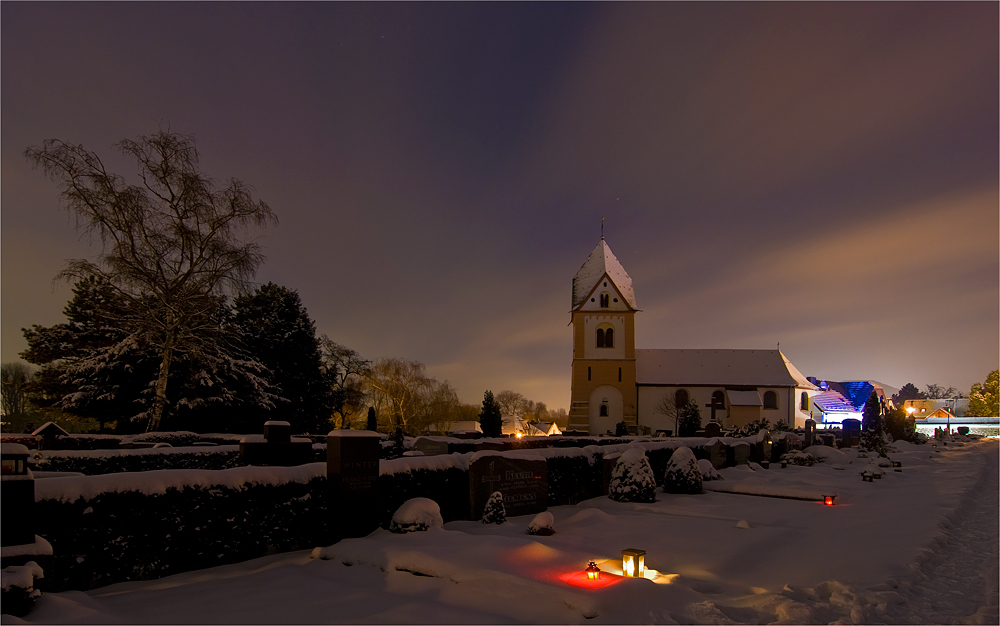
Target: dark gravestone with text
{"points": [[522, 481], [852, 433], [352, 472]]}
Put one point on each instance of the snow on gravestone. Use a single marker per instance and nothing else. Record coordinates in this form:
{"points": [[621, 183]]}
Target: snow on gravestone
{"points": [[352, 472], [521, 477]]}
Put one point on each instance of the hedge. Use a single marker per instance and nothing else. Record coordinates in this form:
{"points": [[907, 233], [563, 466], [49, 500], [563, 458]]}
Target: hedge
{"points": [[92, 462]]}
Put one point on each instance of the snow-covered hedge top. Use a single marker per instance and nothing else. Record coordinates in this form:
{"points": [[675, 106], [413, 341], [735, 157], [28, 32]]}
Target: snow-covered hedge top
{"points": [[551, 453], [438, 462], [527, 455], [13, 448], [157, 482], [136, 451]]}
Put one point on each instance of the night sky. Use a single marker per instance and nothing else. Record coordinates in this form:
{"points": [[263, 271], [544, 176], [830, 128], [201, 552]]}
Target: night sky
{"points": [[823, 175]]}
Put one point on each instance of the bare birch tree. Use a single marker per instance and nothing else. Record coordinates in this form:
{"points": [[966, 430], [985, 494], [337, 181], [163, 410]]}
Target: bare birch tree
{"points": [[173, 245]]}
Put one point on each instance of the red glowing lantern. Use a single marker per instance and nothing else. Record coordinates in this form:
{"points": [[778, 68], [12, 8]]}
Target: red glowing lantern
{"points": [[828, 500], [593, 572]]}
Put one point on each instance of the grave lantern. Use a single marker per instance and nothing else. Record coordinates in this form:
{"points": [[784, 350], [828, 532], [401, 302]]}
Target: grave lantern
{"points": [[897, 464], [867, 477], [593, 572], [828, 500], [633, 563]]}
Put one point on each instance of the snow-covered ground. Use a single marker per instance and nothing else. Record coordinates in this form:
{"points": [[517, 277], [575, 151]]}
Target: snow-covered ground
{"points": [[916, 546]]}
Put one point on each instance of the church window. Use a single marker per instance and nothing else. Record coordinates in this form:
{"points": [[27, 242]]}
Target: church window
{"points": [[605, 336], [605, 283], [718, 399], [680, 398], [604, 410], [770, 400], [804, 401], [616, 299], [619, 374], [588, 373], [604, 299]]}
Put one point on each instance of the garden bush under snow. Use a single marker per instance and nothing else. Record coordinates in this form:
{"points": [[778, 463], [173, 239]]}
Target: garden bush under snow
{"points": [[708, 471], [416, 514], [798, 457], [495, 513], [632, 479], [683, 475]]}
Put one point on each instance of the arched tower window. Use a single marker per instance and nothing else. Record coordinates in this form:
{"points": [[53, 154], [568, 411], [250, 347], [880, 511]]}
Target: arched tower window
{"points": [[804, 401], [770, 400], [605, 336], [681, 398], [605, 299], [718, 398], [604, 409]]}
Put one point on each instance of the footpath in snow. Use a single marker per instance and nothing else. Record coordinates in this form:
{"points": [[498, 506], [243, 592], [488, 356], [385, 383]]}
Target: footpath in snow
{"points": [[916, 546]]}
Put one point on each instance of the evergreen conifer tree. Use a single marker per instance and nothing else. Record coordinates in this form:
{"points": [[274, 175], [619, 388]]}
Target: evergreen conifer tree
{"points": [[490, 419], [372, 419], [683, 474], [495, 513], [632, 478], [873, 426]]}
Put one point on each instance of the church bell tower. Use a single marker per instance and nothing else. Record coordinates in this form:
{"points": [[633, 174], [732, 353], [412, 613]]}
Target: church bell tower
{"points": [[603, 320]]}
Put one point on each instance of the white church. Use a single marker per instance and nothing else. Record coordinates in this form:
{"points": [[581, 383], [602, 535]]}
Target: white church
{"points": [[613, 381]]}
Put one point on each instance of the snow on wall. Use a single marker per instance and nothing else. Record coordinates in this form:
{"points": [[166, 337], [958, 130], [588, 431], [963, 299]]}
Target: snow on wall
{"points": [[433, 463]]}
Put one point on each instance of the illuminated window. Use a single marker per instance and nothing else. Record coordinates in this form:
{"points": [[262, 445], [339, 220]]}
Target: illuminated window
{"points": [[770, 400], [604, 299], [804, 401]]}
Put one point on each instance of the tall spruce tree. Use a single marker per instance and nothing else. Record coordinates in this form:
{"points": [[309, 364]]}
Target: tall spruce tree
{"points": [[490, 418], [274, 329], [873, 426]]}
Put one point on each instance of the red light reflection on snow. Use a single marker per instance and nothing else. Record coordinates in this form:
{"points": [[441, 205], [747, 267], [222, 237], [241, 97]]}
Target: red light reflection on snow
{"points": [[579, 579]]}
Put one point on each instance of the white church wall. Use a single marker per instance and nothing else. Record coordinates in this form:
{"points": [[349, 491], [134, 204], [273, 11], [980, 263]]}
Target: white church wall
{"points": [[650, 396]]}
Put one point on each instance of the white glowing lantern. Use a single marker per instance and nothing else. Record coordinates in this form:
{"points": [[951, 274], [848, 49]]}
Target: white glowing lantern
{"points": [[633, 563]]}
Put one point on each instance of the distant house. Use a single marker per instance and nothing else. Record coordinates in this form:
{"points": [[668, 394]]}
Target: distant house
{"points": [[927, 407], [831, 407]]}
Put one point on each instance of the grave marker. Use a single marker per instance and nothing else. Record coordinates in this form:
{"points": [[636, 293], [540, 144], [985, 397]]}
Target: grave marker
{"points": [[352, 472], [522, 479]]}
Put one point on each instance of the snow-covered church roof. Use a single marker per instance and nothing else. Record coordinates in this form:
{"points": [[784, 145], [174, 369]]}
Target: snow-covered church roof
{"points": [[756, 368], [600, 262]]}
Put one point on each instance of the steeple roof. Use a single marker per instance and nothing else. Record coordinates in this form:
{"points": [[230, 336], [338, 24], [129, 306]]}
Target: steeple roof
{"points": [[600, 262]]}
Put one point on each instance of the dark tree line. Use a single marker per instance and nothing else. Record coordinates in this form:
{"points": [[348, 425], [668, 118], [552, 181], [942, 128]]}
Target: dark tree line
{"points": [[267, 365]]}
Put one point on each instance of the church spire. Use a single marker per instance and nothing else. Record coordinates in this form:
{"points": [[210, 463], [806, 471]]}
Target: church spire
{"points": [[600, 262]]}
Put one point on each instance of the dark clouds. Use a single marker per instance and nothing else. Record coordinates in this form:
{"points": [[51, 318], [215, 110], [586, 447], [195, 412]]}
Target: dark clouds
{"points": [[770, 172]]}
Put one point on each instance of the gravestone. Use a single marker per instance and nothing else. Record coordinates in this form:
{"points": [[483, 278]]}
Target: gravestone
{"points": [[760, 450], [276, 447], [810, 433], [852, 433], [738, 454], [716, 452], [522, 479], [352, 473], [713, 429], [827, 439], [430, 447]]}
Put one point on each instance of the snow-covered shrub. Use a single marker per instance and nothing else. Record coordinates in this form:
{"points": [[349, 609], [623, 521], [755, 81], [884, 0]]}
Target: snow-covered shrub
{"points": [[416, 514], [495, 513], [708, 471], [683, 475], [632, 478], [751, 429], [142, 526], [18, 593], [542, 524], [798, 457]]}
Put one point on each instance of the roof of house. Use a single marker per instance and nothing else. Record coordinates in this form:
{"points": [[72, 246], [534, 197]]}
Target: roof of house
{"points": [[50, 429], [600, 262], [833, 402], [754, 368]]}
